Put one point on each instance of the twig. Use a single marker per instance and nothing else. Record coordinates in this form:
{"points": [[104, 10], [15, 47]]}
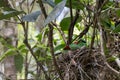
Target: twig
{"points": [[33, 3], [103, 52], [95, 18], [87, 7], [31, 51], [52, 50], [92, 41], [26, 66], [71, 27], [25, 28], [28, 10], [82, 33], [42, 8], [50, 40], [71, 12], [101, 4], [20, 4], [80, 69], [61, 32]]}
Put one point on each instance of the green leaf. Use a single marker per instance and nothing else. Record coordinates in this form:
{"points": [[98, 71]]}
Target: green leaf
{"points": [[50, 2], [2, 40], [22, 46], [22, 49], [118, 12], [55, 13], [57, 1], [106, 24], [9, 12], [75, 4], [111, 59], [39, 37], [37, 51], [82, 44], [59, 47], [66, 22], [9, 52], [74, 46], [18, 62], [117, 29], [109, 4], [32, 17], [3, 3], [77, 46], [106, 50], [106, 21], [41, 59], [48, 58], [5, 42]]}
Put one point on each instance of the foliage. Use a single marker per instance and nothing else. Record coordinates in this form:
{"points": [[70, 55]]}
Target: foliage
{"points": [[7, 12], [32, 17], [56, 12], [19, 62], [81, 28]]}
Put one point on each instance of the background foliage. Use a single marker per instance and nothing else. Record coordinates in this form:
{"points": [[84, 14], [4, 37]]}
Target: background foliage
{"points": [[41, 39]]}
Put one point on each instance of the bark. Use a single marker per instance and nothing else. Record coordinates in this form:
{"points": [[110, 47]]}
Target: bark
{"points": [[9, 67], [1, 51], [8, 31]]}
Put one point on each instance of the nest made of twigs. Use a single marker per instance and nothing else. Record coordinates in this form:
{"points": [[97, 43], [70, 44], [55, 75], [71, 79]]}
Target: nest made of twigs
{"points": [[80, 64]]}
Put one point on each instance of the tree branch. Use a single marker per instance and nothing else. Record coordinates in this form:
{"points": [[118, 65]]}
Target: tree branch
{"points": [[71, 27], [31, 51], [50, 39], [61, 32], [71, 12], [103, 52], [82, 33]]}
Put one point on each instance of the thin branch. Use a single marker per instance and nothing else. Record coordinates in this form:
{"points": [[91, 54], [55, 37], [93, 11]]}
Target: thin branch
{"points": [[99, 5], [112, 69], [103, 52], [33, 3], [71, 27], [87, 7], [20, 4], [25, 28], [31, 51], [92, 41], [50, 36], [61, 32], [82, 33], [28, 10], [95, 18], [26, 66], [42, 8], [71, 12], [26, 56], [50, 40]]}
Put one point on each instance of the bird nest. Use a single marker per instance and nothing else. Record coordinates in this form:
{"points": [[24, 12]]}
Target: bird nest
{"points": [[85, 64]]}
